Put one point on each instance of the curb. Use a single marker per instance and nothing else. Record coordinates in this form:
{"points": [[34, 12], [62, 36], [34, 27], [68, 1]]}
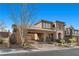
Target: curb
{"points": [[36, 50]]}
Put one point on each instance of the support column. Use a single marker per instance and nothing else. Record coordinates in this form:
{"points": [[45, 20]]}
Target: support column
{"points": [[44, 37], [36, 36]]}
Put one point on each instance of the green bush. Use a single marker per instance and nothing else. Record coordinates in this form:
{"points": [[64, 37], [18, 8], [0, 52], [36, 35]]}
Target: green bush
{"points": [[50, 42], [60, 41], [73, 40]]}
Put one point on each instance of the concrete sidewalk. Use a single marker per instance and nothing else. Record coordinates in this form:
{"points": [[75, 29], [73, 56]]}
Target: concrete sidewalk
{"points": [[20, 50]]}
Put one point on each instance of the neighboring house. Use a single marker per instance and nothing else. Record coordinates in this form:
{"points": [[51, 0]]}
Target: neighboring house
{"points": [[71, 32], [68, 31], [4, 34], [47, 31]]}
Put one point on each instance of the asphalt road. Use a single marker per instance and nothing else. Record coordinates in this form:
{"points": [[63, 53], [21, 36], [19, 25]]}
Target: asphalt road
{"points": [[68, 52]]}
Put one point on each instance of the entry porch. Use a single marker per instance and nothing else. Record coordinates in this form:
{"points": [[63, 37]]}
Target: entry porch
{"points": [[41, 35]]}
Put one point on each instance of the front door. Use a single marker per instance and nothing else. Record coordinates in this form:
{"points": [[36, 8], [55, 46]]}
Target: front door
{"points": [[52, 39], [59, 35]]}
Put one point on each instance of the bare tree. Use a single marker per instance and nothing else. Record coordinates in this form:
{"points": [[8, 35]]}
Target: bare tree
{"points": [[2, 26], [21, 19]]}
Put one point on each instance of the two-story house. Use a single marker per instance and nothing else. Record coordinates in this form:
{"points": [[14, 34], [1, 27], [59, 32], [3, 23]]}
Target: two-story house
{"points": [[70, 32], [47, 30]]}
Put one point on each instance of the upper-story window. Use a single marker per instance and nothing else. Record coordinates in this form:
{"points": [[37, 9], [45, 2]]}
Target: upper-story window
{"points": [[53, 26], [46, 25], [68, 31], [60, 27]]}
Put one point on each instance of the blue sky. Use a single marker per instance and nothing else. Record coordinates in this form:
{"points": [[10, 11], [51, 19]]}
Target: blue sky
{"points": [[69, 13]]}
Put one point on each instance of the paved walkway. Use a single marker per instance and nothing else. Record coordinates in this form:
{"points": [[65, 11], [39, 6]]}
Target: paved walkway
{"points": [[21, 50]]}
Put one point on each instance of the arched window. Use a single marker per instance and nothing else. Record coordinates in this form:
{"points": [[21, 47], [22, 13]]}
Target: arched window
{"points": [[53, 25]]}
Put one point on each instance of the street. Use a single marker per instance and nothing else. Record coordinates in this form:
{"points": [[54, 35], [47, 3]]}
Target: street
{"points": [[68, 52]]}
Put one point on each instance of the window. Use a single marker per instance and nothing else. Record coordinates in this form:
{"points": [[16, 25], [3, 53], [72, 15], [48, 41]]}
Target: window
{"points": [[60, 27], [59, 35], [68, 31], [53, 26], [46, 25]]}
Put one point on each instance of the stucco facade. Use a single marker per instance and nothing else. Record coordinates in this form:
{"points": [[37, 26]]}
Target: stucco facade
{"points": [[47, 30]]}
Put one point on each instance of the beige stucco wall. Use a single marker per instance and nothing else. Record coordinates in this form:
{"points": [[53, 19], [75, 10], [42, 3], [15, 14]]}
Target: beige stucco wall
{"points": [[62, 34], [39, 25], [55, 33], [36, 36], [60, 30]]}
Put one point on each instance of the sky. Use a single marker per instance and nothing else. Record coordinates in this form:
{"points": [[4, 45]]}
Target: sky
{"points": [[66, 12]]}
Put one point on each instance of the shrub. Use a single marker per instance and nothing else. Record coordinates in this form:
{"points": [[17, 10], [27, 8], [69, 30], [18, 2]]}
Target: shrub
{"points": [[60, 41], [73, 40], [50, 42]]}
